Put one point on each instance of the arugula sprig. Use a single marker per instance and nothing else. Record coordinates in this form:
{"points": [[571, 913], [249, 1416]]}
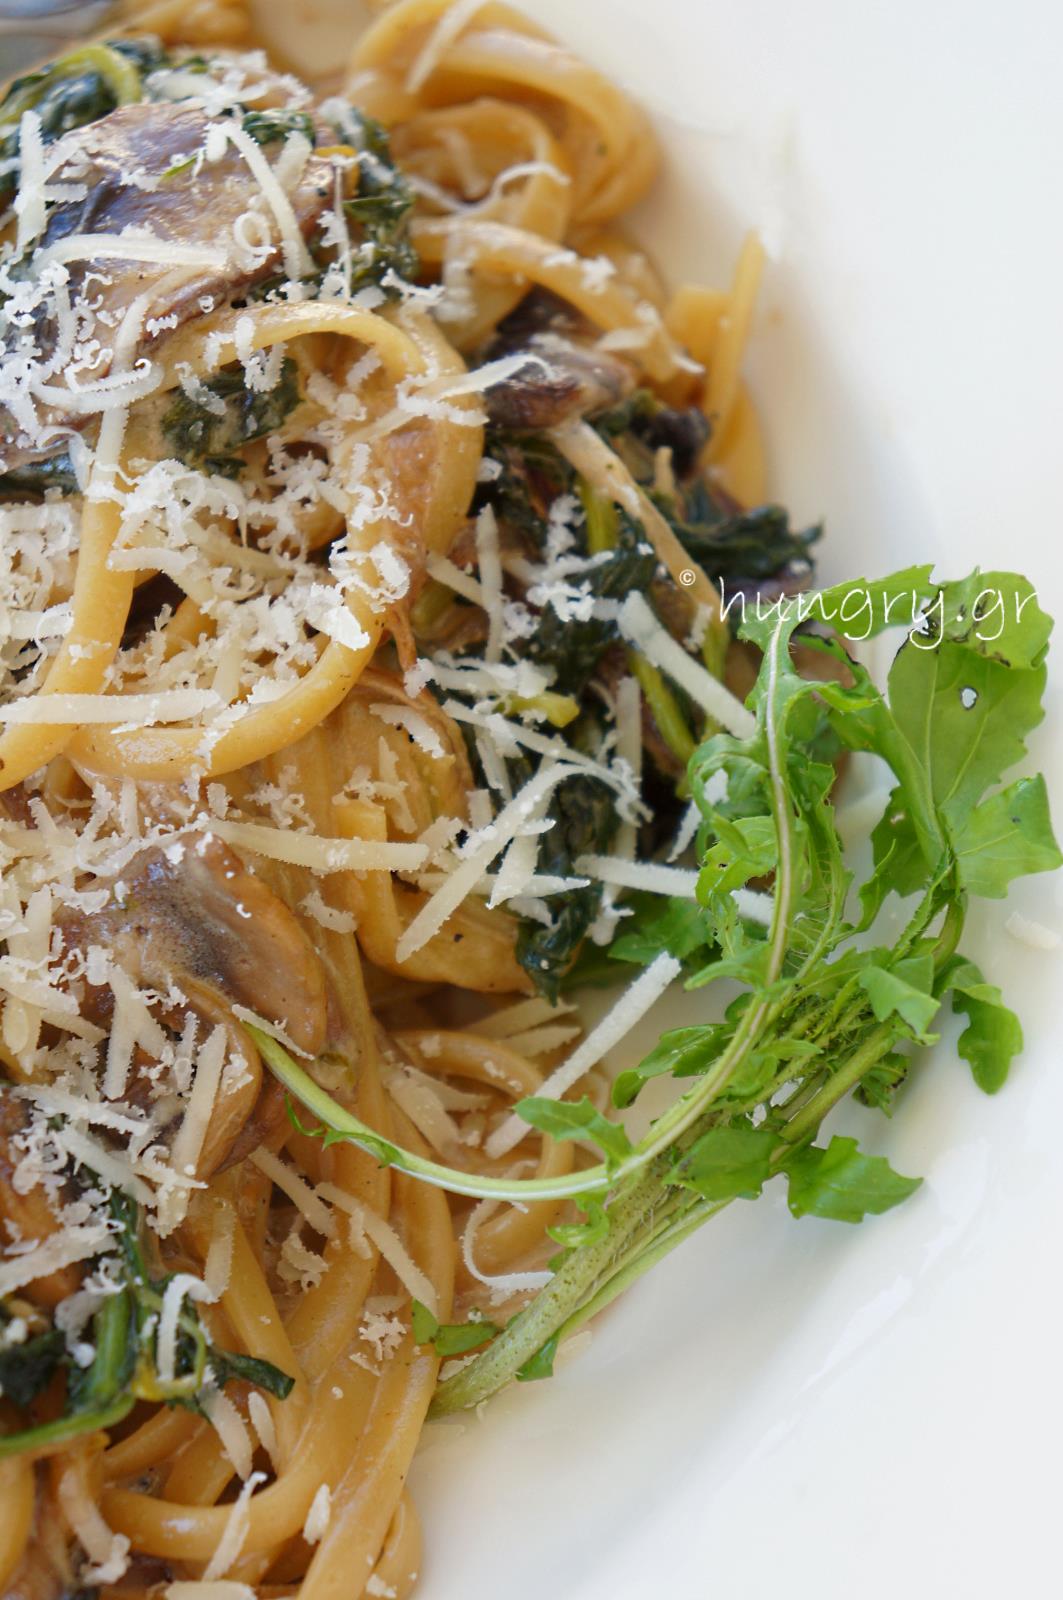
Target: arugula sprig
{"points": [[824, 1010]]}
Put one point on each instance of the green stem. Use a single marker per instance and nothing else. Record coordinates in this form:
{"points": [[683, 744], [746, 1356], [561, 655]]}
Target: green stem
{"points": [[343, 1124], [571, 1283], [51, 1435]]}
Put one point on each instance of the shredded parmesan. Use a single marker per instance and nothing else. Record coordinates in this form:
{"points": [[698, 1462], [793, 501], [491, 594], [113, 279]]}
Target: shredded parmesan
{"points": [[231, 1429], [639, 625], [217, 1269], [299, 1192], [262, 1422], [414, 722], [631, 1007], [133, 710], [448, 29], [184, 1152], [490, 565], [387, 1241], [502, 1284], [297, 260], [319, 1516], [182, 1284], [275, 1030], [320, 855], [444, 571], [63, 1249], [232, 1540], [461, 882]]}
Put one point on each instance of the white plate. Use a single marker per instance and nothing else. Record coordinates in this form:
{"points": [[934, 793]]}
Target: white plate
{"points": [[805, 1407]]}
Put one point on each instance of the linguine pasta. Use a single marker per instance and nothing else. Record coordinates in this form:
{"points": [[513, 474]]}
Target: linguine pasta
{"points": [[340, 424]]}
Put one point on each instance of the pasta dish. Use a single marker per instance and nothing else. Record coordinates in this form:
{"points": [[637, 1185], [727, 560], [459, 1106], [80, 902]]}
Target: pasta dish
{"points": [[385, 561]]}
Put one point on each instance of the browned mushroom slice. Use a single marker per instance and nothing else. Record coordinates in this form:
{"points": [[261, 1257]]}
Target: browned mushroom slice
{"points": [[26, 1213], [559, 379], [207, 925], [141, 169], [199, 914]]}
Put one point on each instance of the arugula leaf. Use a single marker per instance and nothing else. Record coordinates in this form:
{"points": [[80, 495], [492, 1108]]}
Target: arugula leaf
{"points": [[680, 1052], [728, 1162], [842, 1183], [541, 1364], [993, 1036], [744, 849], [868, 606], [567, 1119], [591, 1231], [671, 926], [966, 714], [997, 614], [1008, 836], [904, 990], [450, 1338], [822, 1013]]}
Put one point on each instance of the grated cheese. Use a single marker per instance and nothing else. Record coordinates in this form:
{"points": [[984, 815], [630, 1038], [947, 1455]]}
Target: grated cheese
{"points": [[262, 1422], [232, 1540], [326, 916], [30, 200], [461, 882], [130, 247], [319, 1516], [416, 1097], [387, 1241], [631, 1007], [134, 710], [319, 854], [444, 571], [501, 1284], [274, 1029], [182, 1284], [217, 1269], [450, 25], [689, 823], [108, 1552], [63, 1249], [413, 722], [299, 1192], [639, 625], [231, 1429], [297, 260], [490, 565], [188, 1142]]}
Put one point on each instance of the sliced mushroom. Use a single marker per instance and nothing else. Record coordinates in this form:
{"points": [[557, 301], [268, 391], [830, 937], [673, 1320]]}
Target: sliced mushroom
{"points": [[139, 170], [199, 920], [560, 379], [131, 164]]}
